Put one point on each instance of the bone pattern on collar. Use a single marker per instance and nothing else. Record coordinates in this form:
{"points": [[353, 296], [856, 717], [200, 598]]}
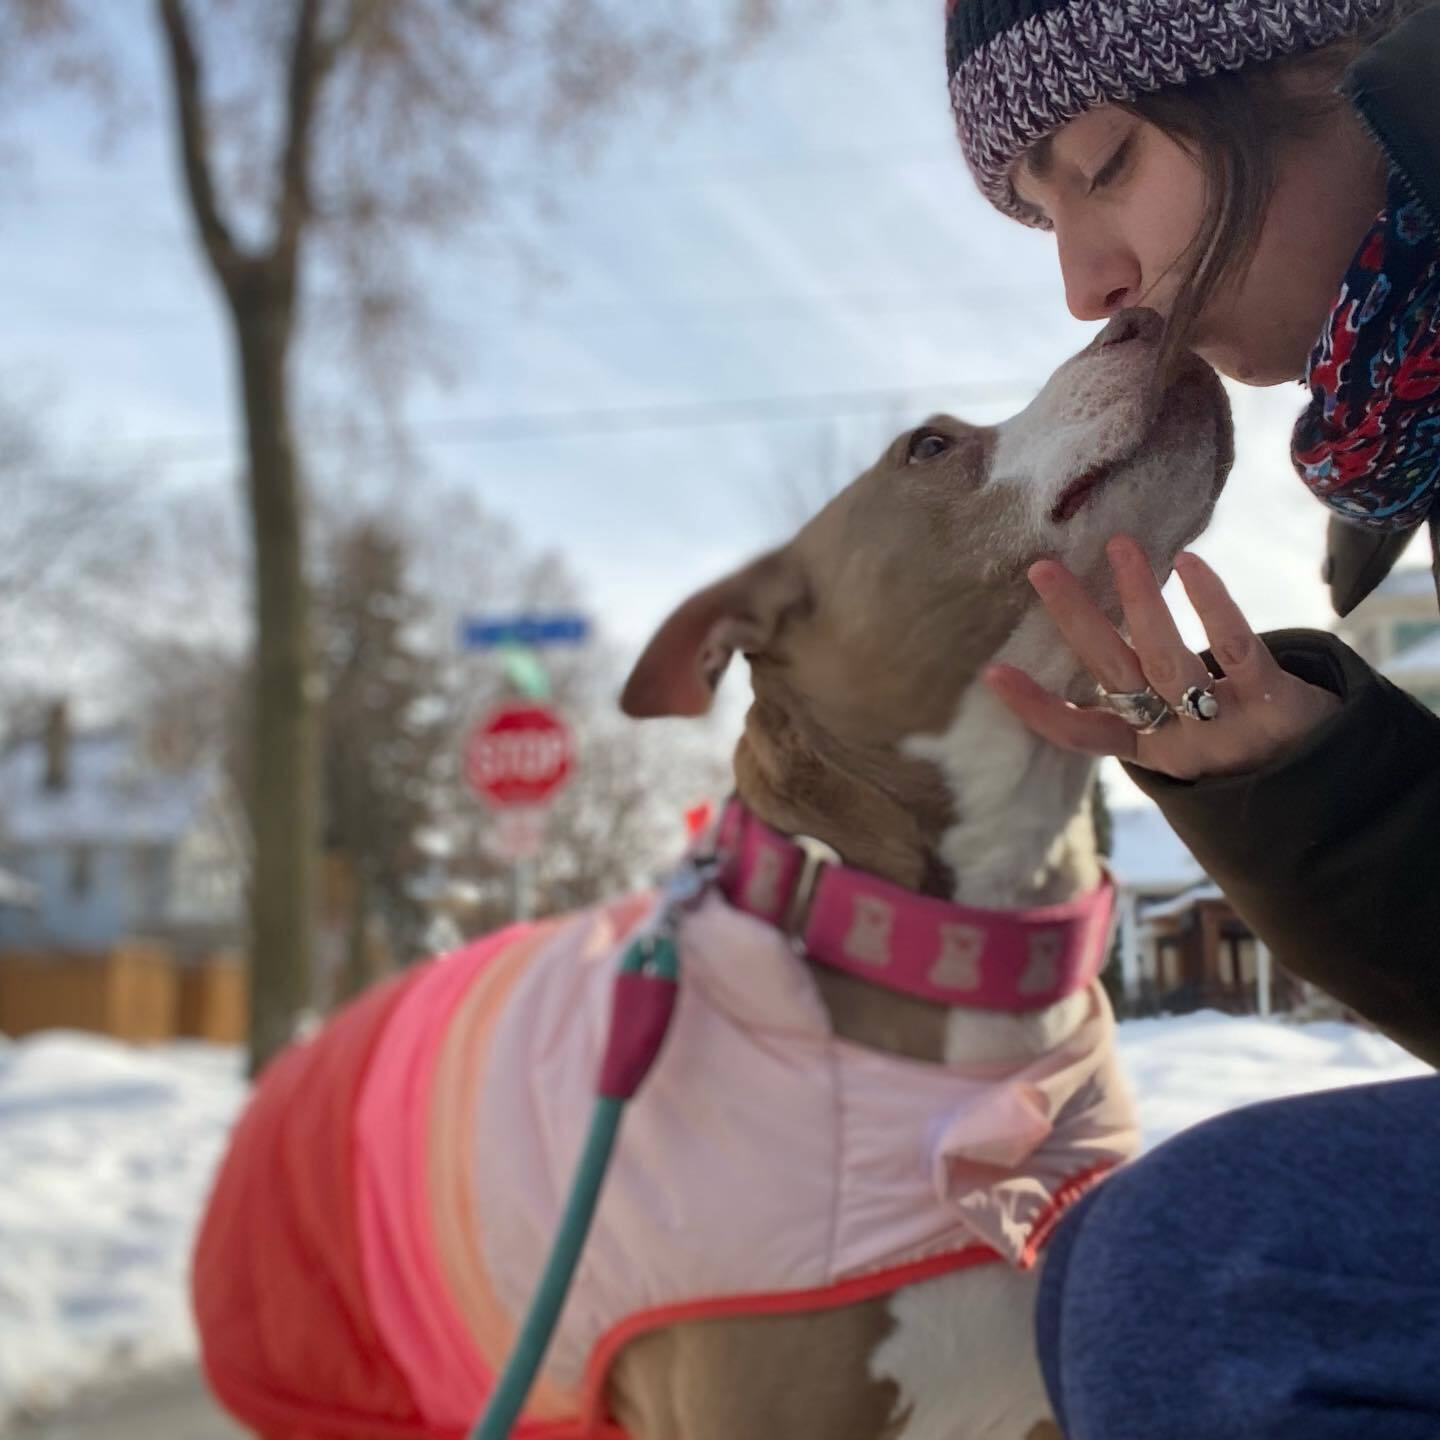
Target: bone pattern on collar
{"points": [[955, 955]]}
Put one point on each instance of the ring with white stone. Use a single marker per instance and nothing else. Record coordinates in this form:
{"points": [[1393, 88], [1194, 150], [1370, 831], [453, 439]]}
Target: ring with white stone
{"points": [[1143, 709], [1200, 703]]}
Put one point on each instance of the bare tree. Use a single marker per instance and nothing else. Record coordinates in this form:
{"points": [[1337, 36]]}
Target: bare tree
{"points": [[47, 522], [320, 142], [383, 738]]}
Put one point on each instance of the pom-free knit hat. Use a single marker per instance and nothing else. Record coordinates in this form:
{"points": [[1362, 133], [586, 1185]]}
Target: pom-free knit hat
{"points": [[1019, 69]]}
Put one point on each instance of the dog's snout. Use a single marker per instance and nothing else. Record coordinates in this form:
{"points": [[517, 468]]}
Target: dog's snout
{"points": [[1130, 325]]}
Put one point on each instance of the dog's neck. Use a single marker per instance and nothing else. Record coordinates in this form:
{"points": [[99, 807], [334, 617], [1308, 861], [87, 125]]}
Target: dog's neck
{"points": [[986, 814], [883, 812]]}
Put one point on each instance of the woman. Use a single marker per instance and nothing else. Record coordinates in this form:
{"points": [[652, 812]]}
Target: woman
{"points": [[1266, 173]]}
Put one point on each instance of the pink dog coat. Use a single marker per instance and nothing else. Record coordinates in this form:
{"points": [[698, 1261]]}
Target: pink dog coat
{"points": [[765, 1164]]}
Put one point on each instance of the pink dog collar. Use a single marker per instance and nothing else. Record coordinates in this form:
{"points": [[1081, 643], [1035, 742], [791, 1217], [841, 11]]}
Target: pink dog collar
{"points": [[1012, 960]]}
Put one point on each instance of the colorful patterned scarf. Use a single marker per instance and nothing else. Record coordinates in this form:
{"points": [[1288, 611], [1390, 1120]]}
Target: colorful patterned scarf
{"points": [[1369, 443]]}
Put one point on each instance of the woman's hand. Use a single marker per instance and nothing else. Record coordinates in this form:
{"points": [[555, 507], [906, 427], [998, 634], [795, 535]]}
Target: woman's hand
{"points": [[1264, 710]]}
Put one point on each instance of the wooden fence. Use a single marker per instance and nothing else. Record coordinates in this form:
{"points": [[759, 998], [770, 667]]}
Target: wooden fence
{"points": [[135, 992]]}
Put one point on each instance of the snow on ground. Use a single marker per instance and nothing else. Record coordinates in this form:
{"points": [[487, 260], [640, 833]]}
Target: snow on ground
{"points": [[106, 1154], [1186, 1069]]}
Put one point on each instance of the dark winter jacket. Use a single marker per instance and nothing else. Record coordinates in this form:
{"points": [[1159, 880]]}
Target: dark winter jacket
{"points": [[1331, 853]]}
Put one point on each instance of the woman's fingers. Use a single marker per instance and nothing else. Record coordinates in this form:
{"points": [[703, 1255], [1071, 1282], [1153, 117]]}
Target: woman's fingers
{"points": [[1170, 666], [1086, 628], [1247, 663], [1092, 732], [1262, 709]]}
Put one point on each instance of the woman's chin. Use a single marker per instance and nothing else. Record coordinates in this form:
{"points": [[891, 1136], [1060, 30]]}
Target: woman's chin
{"points": [[1244, 367]]}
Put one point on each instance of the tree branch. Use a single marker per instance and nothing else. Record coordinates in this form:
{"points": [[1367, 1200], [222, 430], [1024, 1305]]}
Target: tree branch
{"points": [[308, 59], [215, 234], [357, 20]]}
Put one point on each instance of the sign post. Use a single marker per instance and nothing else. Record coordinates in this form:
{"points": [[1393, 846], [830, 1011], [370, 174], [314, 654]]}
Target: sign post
{"points": [[516, 759]]}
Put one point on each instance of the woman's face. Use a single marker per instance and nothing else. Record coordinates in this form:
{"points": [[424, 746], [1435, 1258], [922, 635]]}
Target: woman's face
{"points": [[1126, 200]]}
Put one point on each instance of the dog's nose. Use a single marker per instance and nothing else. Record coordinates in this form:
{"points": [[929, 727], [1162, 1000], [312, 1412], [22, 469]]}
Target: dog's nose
{"points": [[1127, 325]]}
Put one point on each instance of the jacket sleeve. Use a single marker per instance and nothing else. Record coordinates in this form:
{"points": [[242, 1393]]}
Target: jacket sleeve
{"points": [[1331, 853]]}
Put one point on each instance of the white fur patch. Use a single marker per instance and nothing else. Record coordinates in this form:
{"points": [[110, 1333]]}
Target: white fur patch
{"points": [[963, 1355], [1014, 794], [1092, 411]]}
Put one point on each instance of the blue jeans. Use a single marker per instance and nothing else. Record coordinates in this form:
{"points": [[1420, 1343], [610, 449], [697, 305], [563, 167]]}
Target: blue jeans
{"points": [[1273, 1273]]}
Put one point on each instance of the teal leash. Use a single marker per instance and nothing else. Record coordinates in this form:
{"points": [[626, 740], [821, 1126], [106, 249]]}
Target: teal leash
{"points": [[521, 1368], [646, 989]]}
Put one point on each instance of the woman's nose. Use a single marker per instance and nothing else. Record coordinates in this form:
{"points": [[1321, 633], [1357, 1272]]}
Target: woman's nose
{"points": [[1100, 277]]}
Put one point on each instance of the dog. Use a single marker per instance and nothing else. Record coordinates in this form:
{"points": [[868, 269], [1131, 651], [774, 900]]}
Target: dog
{"points": [[924, 806]]}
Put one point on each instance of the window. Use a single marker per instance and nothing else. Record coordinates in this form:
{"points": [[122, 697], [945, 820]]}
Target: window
{"points": [[150, 874], [82, 870], [1225, 963]]}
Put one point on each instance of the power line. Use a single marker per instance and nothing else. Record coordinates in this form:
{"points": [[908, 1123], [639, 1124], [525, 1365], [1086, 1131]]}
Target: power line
{"points": [[582, 424], [78, 192], [524, 315]]}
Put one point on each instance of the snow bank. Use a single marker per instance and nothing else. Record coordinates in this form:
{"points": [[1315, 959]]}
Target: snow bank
{"points": [[106, 1153], [1187, 1069]]}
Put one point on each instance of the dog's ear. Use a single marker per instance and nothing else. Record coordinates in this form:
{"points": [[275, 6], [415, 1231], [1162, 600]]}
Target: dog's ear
{"points": [[681, 667]]}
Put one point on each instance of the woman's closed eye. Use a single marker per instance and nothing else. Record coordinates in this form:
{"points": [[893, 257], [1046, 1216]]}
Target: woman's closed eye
{"points": [[1114, 167]]}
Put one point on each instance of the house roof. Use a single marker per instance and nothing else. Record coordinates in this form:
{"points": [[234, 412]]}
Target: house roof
{"points": [[1419, 659], [1147, 855], [1182, 902], [112, 797], [1407, 580]]}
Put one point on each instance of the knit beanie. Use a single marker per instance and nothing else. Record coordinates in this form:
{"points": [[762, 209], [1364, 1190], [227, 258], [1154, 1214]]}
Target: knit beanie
{"points": [[1019, 69]]}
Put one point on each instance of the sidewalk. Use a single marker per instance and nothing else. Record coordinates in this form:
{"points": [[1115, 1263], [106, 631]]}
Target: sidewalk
{"points": [[168, 1407]]}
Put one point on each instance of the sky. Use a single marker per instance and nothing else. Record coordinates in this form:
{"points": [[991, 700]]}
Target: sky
{"points": [[738, 305]]}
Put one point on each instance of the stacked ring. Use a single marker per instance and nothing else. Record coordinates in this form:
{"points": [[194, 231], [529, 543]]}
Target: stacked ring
{"points": [[1143, 709]]}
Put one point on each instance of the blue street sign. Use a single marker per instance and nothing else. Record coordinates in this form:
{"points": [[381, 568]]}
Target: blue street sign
{"points": [[532, 631]]}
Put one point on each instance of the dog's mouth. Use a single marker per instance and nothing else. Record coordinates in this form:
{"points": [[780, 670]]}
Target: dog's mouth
{"points": [[1196, 380], [1074, 496]]}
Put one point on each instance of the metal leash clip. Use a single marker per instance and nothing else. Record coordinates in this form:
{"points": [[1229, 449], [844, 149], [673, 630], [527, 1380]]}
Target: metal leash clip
{"points": [[685, 887]]}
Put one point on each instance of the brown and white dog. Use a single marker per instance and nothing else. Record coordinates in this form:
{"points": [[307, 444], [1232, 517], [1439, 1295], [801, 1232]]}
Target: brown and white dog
{"points": [[866, 636], [385, 1206]]}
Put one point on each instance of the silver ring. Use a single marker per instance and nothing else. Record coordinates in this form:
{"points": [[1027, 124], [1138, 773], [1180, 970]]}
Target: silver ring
{"points": [[1143, 709], [1200, 703]]}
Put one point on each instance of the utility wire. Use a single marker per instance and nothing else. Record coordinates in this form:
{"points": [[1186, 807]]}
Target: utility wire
{"points": [[612, 314], [582, 424]]}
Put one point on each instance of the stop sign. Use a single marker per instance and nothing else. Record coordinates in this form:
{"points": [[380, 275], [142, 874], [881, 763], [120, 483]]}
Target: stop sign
{"points": [[519, 754]]}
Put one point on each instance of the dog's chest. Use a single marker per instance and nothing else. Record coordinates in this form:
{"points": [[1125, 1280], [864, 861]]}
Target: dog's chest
{"points": [[961, 1354]]}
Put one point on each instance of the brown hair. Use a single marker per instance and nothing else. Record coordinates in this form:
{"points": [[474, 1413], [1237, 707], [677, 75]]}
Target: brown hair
{"points": [[1236, 124]]}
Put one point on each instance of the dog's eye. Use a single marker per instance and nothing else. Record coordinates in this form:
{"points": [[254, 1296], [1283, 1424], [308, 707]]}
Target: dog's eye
{"points": [[927, 445]]}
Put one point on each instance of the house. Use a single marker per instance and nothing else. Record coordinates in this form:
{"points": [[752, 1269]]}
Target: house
{"points": [[112, 846], [15, 893], [1182, 947], [1151, 867], [1397, 630]]}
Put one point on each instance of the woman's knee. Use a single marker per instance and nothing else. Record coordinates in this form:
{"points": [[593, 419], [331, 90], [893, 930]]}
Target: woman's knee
{"points": [[1165, 1289]]}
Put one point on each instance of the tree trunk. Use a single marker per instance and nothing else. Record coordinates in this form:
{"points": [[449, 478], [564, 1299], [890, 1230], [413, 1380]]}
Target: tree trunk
{"points": [[358, 971], [286, 784]]}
